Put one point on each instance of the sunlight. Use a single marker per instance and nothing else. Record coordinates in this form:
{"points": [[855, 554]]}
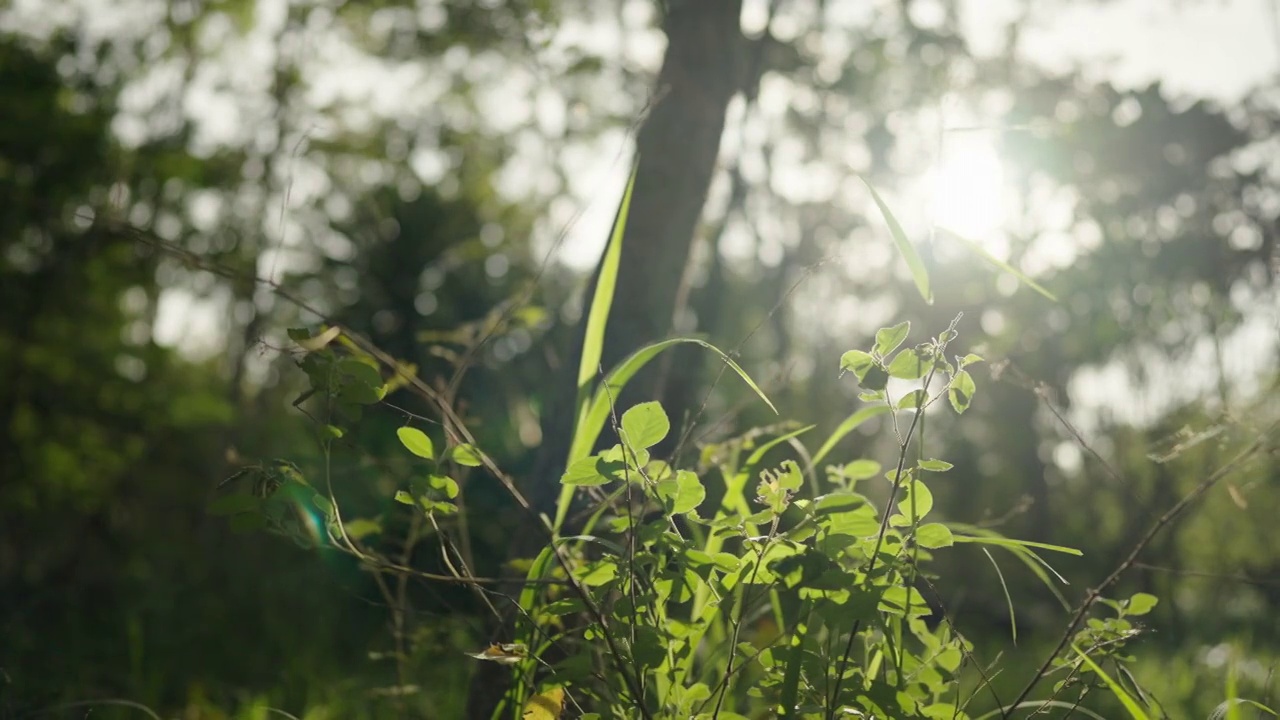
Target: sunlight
{"points": [[967, 190]]}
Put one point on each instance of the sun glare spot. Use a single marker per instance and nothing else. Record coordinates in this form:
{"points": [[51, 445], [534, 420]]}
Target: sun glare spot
{"points": [[967, 190]]}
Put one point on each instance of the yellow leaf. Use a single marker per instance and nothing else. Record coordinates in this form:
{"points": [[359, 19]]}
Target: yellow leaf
{"points": [[546, 705]]}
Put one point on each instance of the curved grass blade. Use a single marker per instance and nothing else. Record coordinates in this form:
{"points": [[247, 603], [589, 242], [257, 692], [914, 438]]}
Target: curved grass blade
{"points": [[595, 413], [978, 250], [602, 299], [1131, 705], [914, 263], [1013, 617], [846, 427]]}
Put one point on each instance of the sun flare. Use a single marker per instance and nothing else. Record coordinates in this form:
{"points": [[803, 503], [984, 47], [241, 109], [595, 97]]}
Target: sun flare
{"points": [[967, 191]]}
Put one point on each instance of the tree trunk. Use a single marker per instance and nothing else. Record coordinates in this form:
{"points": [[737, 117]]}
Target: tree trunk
{"points": [[677, 147]]}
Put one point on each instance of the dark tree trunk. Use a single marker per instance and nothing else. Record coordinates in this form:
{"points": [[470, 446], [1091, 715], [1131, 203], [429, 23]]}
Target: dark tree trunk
{"points": [[677, 147]]}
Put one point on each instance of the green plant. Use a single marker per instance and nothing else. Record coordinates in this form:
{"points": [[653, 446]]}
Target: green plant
{"points": [[757, 580]]}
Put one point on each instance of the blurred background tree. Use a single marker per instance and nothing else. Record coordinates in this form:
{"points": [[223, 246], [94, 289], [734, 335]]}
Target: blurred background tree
{"points": [[438, 175]]}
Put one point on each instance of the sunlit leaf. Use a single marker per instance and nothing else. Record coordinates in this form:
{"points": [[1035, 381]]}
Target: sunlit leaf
{"points": [[416, 442], [588, 471], [361, 371], [857, 362], [888, 339], [361, 528], [446, 485], [910, 364], [961, 391], [917, 501], [645, 425], [546, 705], [861, 469], [934, 536], [1140, 604], [684, 492], [467, 455]]}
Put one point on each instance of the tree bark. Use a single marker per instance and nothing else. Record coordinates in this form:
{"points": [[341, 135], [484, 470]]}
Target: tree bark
{"points": [[677, 147]]}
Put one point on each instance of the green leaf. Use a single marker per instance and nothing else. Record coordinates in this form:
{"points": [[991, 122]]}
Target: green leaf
{"points": [[1140, 604], [324, 505], [888, 339], [405, 498], [861, 469], [361, 371], [900, 599], [592, 470], [683, 493], [361, 528], [909, 254], [961, 391], [645, 425], [923, 498], [597, 573], [971, 359], [981, 252], [361, 394], [910, 364], [914, 400], [416, 442], [857, 362], [446, 485], [332, 431], [467, 455], [935, 465], [934, 536]]}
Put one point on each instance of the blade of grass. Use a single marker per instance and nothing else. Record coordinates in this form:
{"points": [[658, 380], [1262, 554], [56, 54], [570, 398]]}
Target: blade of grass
{"points": [[978, 250], [914, 263], [1125, 699], [1013, 618], [846, 427], [597, 320]]}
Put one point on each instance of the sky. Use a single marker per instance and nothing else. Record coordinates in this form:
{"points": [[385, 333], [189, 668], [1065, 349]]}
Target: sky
{"points": [[1208, 48]]}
